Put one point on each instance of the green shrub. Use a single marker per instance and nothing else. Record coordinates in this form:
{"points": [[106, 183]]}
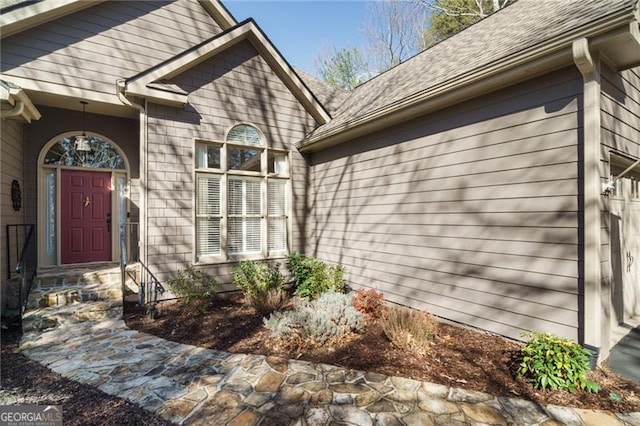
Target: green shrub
{"points": [[409, 329], [370, 302], [324, 320], [313, 277], [254, 278], [196, 288], [555, 362], [261, 284]]}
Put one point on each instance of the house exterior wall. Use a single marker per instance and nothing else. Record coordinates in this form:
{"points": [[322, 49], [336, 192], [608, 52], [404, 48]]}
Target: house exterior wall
{"points": [[471, 213], [620, 123], [92, 48], [11, 167], [236, 86]]}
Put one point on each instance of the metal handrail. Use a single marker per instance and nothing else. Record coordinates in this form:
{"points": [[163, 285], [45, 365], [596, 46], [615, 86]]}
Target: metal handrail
{"points": [[144, 291], [25, 261]]}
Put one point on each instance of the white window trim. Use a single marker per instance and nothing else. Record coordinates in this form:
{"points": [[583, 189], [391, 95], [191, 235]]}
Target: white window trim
{"points": [[263, 176]]}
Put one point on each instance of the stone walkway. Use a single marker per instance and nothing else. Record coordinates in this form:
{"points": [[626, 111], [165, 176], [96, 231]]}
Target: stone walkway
{"points": [[194, 386]]}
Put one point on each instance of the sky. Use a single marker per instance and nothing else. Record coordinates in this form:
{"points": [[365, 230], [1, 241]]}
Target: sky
{"points": [[301, 29]]}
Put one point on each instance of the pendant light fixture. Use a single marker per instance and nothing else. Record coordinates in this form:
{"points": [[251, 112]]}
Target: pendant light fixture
{"points": [[82, 141]]}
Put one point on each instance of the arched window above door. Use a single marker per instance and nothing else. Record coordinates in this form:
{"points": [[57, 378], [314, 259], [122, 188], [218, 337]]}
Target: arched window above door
{"points": [[97, 153]]}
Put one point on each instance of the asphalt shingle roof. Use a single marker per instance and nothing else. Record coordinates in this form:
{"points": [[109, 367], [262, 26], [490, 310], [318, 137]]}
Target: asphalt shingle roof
{"points": [[329, 96], [518, 27]]}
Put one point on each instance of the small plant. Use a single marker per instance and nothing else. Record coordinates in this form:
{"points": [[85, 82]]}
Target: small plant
{"points": [[555, 362], [196, 288], [325, 320], [313, 277], [261, 284], [370, 302], [253, 278], [409, 329], [269, 301]]}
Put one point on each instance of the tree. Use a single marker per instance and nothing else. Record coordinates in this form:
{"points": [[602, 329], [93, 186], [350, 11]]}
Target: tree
{"points": [[449, 17], [344, 68], [394, 32], [393, 29]]}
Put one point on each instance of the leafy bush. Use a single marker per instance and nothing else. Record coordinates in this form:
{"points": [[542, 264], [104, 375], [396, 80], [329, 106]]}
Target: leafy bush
{"points": [[325, 320], [409, 329], [555, 362], [314, 277], [196, 288], [261, 284], [370, 302]]}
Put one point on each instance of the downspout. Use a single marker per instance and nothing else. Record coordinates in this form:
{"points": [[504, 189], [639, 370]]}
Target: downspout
{"points": [[142, 108], [17, 109], [592, 315]]}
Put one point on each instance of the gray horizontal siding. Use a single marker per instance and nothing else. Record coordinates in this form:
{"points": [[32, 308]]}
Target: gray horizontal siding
{"points": [[620, 134], [92, 48], [11, 167], [471, 213], [234, 86]]}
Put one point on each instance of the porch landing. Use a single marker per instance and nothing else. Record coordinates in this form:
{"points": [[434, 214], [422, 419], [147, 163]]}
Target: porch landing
{"points": [[78, 293], [66, 285]]}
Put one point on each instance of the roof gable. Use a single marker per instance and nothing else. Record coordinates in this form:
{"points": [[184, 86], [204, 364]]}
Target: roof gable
{"points": [[146, 84]]}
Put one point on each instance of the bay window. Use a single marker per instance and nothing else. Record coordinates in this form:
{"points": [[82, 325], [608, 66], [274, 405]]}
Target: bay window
{"points": [[241, 197]]}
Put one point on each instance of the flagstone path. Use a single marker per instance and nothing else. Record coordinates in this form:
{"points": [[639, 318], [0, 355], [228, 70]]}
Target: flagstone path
{"points": [[194, 386]]}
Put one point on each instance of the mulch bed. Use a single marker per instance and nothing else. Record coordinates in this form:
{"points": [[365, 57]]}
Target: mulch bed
{"points": [[26, 382], [460, 357]]}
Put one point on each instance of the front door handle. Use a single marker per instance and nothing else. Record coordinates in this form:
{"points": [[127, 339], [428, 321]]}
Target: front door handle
{"points": [[108, 222]]}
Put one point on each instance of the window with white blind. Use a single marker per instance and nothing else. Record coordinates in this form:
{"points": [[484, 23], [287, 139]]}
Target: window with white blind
{"points": [[241, 197]]}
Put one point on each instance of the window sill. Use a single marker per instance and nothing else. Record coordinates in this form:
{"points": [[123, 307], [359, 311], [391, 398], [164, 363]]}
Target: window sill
{"points": [[210, 260]]}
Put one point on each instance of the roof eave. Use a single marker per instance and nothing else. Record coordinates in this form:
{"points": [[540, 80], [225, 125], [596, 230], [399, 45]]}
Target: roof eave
{"points": [[542, 58], [22, 105], [32, 15], [158, 96]]}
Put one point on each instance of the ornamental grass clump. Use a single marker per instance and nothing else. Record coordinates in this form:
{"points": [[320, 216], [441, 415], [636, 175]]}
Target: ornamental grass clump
{"points": [[549, 361], [409, 329], [325, 320], [312, 277], [196, 289], [261, 284]]}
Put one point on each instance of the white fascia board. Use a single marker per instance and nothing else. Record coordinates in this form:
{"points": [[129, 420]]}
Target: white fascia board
{"points": [[288, 76], [158, 96], [218, 13], [32, 15], [62, 90]]}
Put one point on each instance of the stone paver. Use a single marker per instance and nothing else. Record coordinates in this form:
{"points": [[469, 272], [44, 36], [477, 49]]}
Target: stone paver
{"points": [[194, 386]]}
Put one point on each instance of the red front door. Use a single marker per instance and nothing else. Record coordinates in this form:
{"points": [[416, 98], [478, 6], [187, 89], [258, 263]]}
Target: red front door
{"points": [[85, 216]]}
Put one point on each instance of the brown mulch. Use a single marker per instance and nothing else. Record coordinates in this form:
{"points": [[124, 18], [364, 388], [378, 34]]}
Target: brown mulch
{"points": [[460, 357], [25, 382]]}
